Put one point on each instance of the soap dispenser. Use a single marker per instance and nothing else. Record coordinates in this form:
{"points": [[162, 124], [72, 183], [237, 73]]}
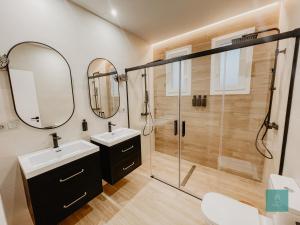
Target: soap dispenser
{"points": [[204, 101], [84, 125], [199, 100], [194, 101]]}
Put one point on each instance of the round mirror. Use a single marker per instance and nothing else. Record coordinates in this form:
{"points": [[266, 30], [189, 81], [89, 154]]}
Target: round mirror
{"points": [[41, 84], [103, 88]]}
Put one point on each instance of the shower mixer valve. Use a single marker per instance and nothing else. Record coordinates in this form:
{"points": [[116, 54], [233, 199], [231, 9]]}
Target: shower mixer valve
{"points": [[146, 102], [272, 125]]}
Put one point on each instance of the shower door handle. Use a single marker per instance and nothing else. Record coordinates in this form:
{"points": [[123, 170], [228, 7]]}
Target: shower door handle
{"points": [[175, 127], [183, 129]]}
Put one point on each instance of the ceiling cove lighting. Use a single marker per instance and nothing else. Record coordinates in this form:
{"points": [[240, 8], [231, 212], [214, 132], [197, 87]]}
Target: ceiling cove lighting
{"points": [[275, 4], [114, 12]]}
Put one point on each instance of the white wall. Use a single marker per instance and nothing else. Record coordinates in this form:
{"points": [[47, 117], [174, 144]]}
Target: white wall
{"points": [[80, 37], [289, 19]]}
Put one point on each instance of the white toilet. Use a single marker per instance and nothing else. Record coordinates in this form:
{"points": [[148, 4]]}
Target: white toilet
{"points": [[222, 210]]}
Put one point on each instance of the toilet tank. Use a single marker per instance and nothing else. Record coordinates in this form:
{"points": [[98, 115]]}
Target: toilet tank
{"points": [[293, 216]]}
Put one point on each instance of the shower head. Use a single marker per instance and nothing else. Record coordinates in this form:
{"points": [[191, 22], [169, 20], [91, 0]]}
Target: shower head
{"points": [[246, 37], [3, 62]]}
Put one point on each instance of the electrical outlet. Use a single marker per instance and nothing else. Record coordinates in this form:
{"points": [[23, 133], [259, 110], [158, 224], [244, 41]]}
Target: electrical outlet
{"points": [[13, 124]]}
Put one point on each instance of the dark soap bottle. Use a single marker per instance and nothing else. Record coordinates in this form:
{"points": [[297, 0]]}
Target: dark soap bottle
{"points": [[204, 101], [199, 100], [84, 125], [194, 101]]}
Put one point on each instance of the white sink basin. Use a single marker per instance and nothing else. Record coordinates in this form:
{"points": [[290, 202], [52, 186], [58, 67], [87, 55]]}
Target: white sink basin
{"points": [[2, 214], [115, 137], [39, 162]]}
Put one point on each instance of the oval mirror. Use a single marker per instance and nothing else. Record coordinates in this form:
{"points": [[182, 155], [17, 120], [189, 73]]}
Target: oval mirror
{"points": [[41, 85], [103, 88]]}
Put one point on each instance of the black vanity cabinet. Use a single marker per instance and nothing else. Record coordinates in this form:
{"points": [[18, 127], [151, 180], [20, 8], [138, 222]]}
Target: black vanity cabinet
{"points": [[121, 159], [54, 195]]}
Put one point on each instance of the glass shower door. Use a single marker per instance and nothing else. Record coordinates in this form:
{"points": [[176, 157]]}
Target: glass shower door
{"points": [[201, 115], [165, 136], [220, 117], [244, 113]]}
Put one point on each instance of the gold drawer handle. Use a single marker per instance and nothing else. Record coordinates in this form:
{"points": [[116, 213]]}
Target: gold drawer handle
{"points": [[72, 203], [127, 149], [70, 177], [126, 168]]}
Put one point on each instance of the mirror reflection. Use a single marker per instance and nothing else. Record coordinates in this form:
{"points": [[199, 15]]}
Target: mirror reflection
{"points": [[41, 85], [103, 88]]}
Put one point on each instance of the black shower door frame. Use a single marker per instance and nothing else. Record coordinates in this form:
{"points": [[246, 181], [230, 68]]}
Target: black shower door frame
{"points": [[293, 34]]}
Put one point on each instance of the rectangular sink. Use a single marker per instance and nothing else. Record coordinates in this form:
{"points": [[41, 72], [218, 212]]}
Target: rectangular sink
{"points": [[115, 137], [39, 162], [2, 214]]}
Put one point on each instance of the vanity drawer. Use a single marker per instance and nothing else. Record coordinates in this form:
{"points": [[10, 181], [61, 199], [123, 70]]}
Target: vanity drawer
{"points": [[119, 160], [63, 181], [68, 172], [57, 193], [56, 211], [126, 149], [124, 168]]}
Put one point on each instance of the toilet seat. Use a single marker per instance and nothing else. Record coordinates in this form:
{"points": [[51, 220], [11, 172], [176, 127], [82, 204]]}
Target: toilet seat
{"points": [[222, 210]]}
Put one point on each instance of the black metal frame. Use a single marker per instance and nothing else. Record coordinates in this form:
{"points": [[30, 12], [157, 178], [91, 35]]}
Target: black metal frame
{"points": [[101, 75], [12, 92], [127, 100], [276, 37], [289, 105]]}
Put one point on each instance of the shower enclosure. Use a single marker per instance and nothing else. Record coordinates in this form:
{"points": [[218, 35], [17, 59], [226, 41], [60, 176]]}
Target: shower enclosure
{"points": [[207, 111]]}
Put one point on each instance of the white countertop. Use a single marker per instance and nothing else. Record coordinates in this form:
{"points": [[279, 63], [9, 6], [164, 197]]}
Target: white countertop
{"points": [[115, 137], [36, 163]]}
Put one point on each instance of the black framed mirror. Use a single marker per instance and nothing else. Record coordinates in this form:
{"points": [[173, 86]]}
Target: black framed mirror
{"points": [[104, 90], [41, 85]]}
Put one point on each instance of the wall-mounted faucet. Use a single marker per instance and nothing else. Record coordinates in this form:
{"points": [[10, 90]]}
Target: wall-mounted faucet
{"points": [[110, 125], [55, 140]]}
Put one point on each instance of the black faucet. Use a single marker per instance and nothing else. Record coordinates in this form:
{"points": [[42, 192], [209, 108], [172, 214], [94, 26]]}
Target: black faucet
{"points": [[109, 126], [55, 140]]}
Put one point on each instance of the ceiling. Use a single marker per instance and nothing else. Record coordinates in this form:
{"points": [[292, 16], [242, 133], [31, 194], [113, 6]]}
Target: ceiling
{"points": [[156, 20]]}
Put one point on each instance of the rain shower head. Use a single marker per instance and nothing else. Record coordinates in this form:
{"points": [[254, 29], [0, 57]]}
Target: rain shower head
{"points": [[246, 37]]}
